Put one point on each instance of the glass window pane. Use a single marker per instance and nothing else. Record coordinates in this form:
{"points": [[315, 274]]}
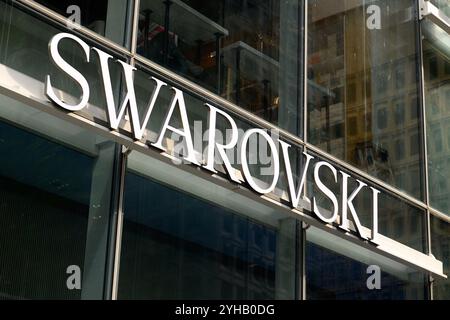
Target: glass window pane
{"points": [[195, 240], [245, 51], [362, 63], [55, 192], [437, 104], [336, 270], [106, 17]]}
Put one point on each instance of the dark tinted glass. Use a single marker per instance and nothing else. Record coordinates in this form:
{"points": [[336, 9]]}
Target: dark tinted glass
{"points": [[336, 276], [176, 246], [54, 212]]}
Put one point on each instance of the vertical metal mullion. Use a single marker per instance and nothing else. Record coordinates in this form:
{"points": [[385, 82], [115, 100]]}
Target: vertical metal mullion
{"points": [[302, 230], [219, 37], [112, 237], [300, 293], [305, 71], [119, 224], [166, 40], [424, 154], [128, 34], [115, 238], [135, 26], [112, 289]]}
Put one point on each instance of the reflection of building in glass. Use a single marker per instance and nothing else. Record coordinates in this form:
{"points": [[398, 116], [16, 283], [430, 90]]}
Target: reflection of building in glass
{"points": [[362, 103], [363, 95], [437, 80]]}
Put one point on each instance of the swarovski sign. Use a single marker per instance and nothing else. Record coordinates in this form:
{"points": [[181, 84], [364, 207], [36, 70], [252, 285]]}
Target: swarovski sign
{"points": [[342, 207]]}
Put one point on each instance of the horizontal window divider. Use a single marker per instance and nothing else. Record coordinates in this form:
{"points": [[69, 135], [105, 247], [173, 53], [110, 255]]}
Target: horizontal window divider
{"points": [[442, 216]]}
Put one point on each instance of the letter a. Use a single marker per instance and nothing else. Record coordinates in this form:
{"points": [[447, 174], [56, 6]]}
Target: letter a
{"points": [[374, 281]]}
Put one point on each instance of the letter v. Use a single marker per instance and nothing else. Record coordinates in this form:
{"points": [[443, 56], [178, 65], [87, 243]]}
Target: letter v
{"points": [[130, 98], [294, 196]]}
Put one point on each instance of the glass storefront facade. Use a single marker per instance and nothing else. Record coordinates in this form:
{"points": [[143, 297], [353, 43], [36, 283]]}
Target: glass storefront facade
{"points": [[90, 212]]}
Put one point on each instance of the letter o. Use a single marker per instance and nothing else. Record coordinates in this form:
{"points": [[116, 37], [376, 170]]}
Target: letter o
{"points": [[247, 175]]}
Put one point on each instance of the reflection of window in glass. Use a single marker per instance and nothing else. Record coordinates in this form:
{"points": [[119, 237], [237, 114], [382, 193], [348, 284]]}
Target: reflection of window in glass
{"points": [[433, 68], [400, 179], [382, 118], [437, 94], [399, 76], [434, 103], [381, 79], [399, 114], [337, 131], [383, 151], [414, 227], [415, 183], [414, 108], [437, 139], [399, 149], [338, 94], [442, 183], [414, 144]]}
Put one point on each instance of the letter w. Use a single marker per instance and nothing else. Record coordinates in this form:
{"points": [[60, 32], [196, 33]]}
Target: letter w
{"points": [[130, 98]]}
